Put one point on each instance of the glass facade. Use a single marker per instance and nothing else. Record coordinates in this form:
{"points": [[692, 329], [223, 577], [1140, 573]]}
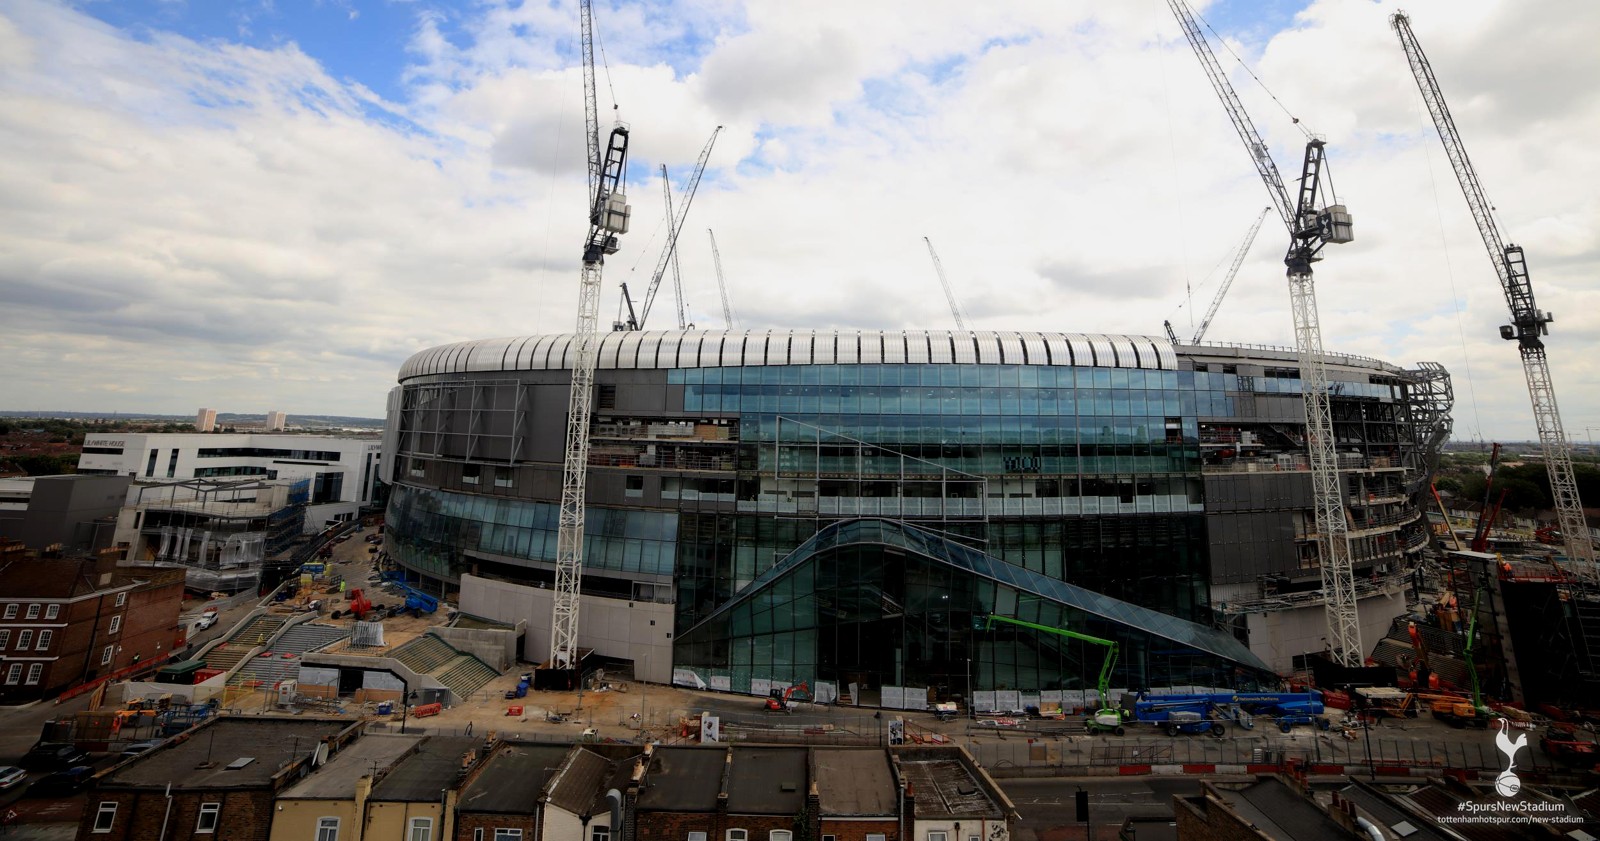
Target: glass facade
{"points": [[873, 604]]}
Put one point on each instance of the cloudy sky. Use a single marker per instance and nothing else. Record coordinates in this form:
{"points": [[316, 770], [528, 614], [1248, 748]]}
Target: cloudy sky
{"points": [[271, 204]]}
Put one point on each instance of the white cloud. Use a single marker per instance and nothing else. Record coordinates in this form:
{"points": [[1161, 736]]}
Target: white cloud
{"points": [[211, 224]]}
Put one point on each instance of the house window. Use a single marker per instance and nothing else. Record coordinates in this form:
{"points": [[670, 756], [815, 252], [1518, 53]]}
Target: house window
{"points": [[105, 656], [35, 671], [877, 837], [44, 639], [51, 611], [5, 638], [780, 835], [209, 813], [327, 829], [600, 833], [14, 674], [936, 836], [697, 836], [11, 611], [116, 625], [738, 835], [105, 816], [122, 599], [24, 638], [33, 611], [504, 834], [421, 829], [477, 834], [830, 838]]}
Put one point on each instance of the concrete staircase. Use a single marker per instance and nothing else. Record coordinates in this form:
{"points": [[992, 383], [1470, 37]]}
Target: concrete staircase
{"points": [[429, 655], [239, 645], [282, 662]]}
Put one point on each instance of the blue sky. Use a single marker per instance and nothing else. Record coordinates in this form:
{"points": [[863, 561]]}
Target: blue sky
{"points": [[272, 204]]}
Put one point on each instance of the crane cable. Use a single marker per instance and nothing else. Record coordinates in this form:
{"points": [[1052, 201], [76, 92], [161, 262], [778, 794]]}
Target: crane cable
{"points": [[1449, 268], [1275, 99]]}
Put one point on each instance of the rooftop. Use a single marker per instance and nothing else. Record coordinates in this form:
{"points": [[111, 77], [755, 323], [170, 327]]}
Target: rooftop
{"points": [[945, 788], [854, 782], [424, 774], [1275, 808], [767, 781], [227, 753], [337, 779], [576, 786], [683, 779], [513, 778]]}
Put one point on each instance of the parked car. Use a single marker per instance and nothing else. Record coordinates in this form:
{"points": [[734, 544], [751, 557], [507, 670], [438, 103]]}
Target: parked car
{"points": [[54, 756], [206, 620], [62, 783], [10, 776], [140, 747]]}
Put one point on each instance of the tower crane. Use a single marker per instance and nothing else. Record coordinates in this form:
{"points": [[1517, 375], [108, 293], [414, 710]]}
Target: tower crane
{"points": [[1227, 281], [1310, 226], [608, 218], [677, 273], [949, 295], [1528, 324], [722, 285], [675, 224]]}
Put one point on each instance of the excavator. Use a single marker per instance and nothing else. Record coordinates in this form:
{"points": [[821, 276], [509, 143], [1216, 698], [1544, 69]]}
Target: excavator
{"points": [[780, 701]]}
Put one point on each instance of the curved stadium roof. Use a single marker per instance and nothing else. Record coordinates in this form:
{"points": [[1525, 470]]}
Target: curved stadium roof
{"points": [[730, 348]]}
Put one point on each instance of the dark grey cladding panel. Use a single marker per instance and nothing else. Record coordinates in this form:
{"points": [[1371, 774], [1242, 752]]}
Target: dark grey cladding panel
{"points": [[1248, 545], [1257, 491]]}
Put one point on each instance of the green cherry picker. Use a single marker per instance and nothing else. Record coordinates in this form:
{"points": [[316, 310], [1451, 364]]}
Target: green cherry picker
{"points": [[1106, 719]]}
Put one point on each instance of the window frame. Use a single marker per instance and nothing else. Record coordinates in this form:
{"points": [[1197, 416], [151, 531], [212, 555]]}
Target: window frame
{"points": [[122, 598], [11, 611], [599, 833], [477, 833], [744, 835], [212, 809], [109, 654], [877, 836], [46, 636], [702, 836], [780, 835], [35, 673], [14, 674], [116, 625], [507, 833], [423, 824], [33, 611], [5, 638], [51, 611], [24, 639], [938, 835], [323, 826], [102, 828]]}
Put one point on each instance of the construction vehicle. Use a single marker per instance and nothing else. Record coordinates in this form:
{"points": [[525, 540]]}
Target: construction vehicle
{"points": [[1561, 742], [608, 214], [1464, 713], [1227, 282], [781, 700], [1528, 324], [1105, 719], [360, 605], [1489, 513], [417, 601], [722, 285], [1311, 225]]}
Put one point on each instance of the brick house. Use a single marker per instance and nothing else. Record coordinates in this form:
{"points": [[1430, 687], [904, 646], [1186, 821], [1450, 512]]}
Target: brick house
{"points": [[856, 796], [416, 801], [681, 794], [331, 803], [64, 621], [584, 798], [949, 798], [501, 800], [222, 777]]}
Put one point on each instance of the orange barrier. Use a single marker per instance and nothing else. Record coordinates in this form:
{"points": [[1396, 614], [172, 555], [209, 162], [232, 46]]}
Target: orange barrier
{"points": [[425, 710]]}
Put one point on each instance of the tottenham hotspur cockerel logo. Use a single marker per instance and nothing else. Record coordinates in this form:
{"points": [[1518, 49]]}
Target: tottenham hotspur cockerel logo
{"points": [[1507, 784]]}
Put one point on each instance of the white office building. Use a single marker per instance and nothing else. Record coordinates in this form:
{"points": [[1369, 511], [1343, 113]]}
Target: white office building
{"points": [[342, 470], [277, 421], [205, 420]]}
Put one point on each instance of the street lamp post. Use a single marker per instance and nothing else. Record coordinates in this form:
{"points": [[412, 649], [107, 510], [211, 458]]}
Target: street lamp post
{"points": [[405, 709]]}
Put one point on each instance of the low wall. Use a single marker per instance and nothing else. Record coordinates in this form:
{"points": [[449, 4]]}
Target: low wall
{"points": [[413, 680], [495, 646]]}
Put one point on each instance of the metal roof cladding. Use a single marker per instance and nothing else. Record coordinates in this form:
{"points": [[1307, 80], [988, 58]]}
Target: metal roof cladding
{"points": [[633, 350]]}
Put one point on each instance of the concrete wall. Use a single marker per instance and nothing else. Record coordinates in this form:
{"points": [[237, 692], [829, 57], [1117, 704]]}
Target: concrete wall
{"points": [[388, 820], [61, 507], [1278, 636], [498, 648], [637, 631], [296, 820], [559, 823]]}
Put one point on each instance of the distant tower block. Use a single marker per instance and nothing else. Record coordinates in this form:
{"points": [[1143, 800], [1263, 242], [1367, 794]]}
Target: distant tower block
{"points": [[205, 420], [276, 421]]}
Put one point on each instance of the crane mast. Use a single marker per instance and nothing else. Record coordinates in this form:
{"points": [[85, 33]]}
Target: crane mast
{"points": [[1528, 323], [677, 273], [675, 225], [722, 285], [1310, 227], [608, 218], [1227, 282], [949, 294]]}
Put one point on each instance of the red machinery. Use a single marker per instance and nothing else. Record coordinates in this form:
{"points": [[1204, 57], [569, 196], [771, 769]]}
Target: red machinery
{"points": [[359, 605], [780, 702]]}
